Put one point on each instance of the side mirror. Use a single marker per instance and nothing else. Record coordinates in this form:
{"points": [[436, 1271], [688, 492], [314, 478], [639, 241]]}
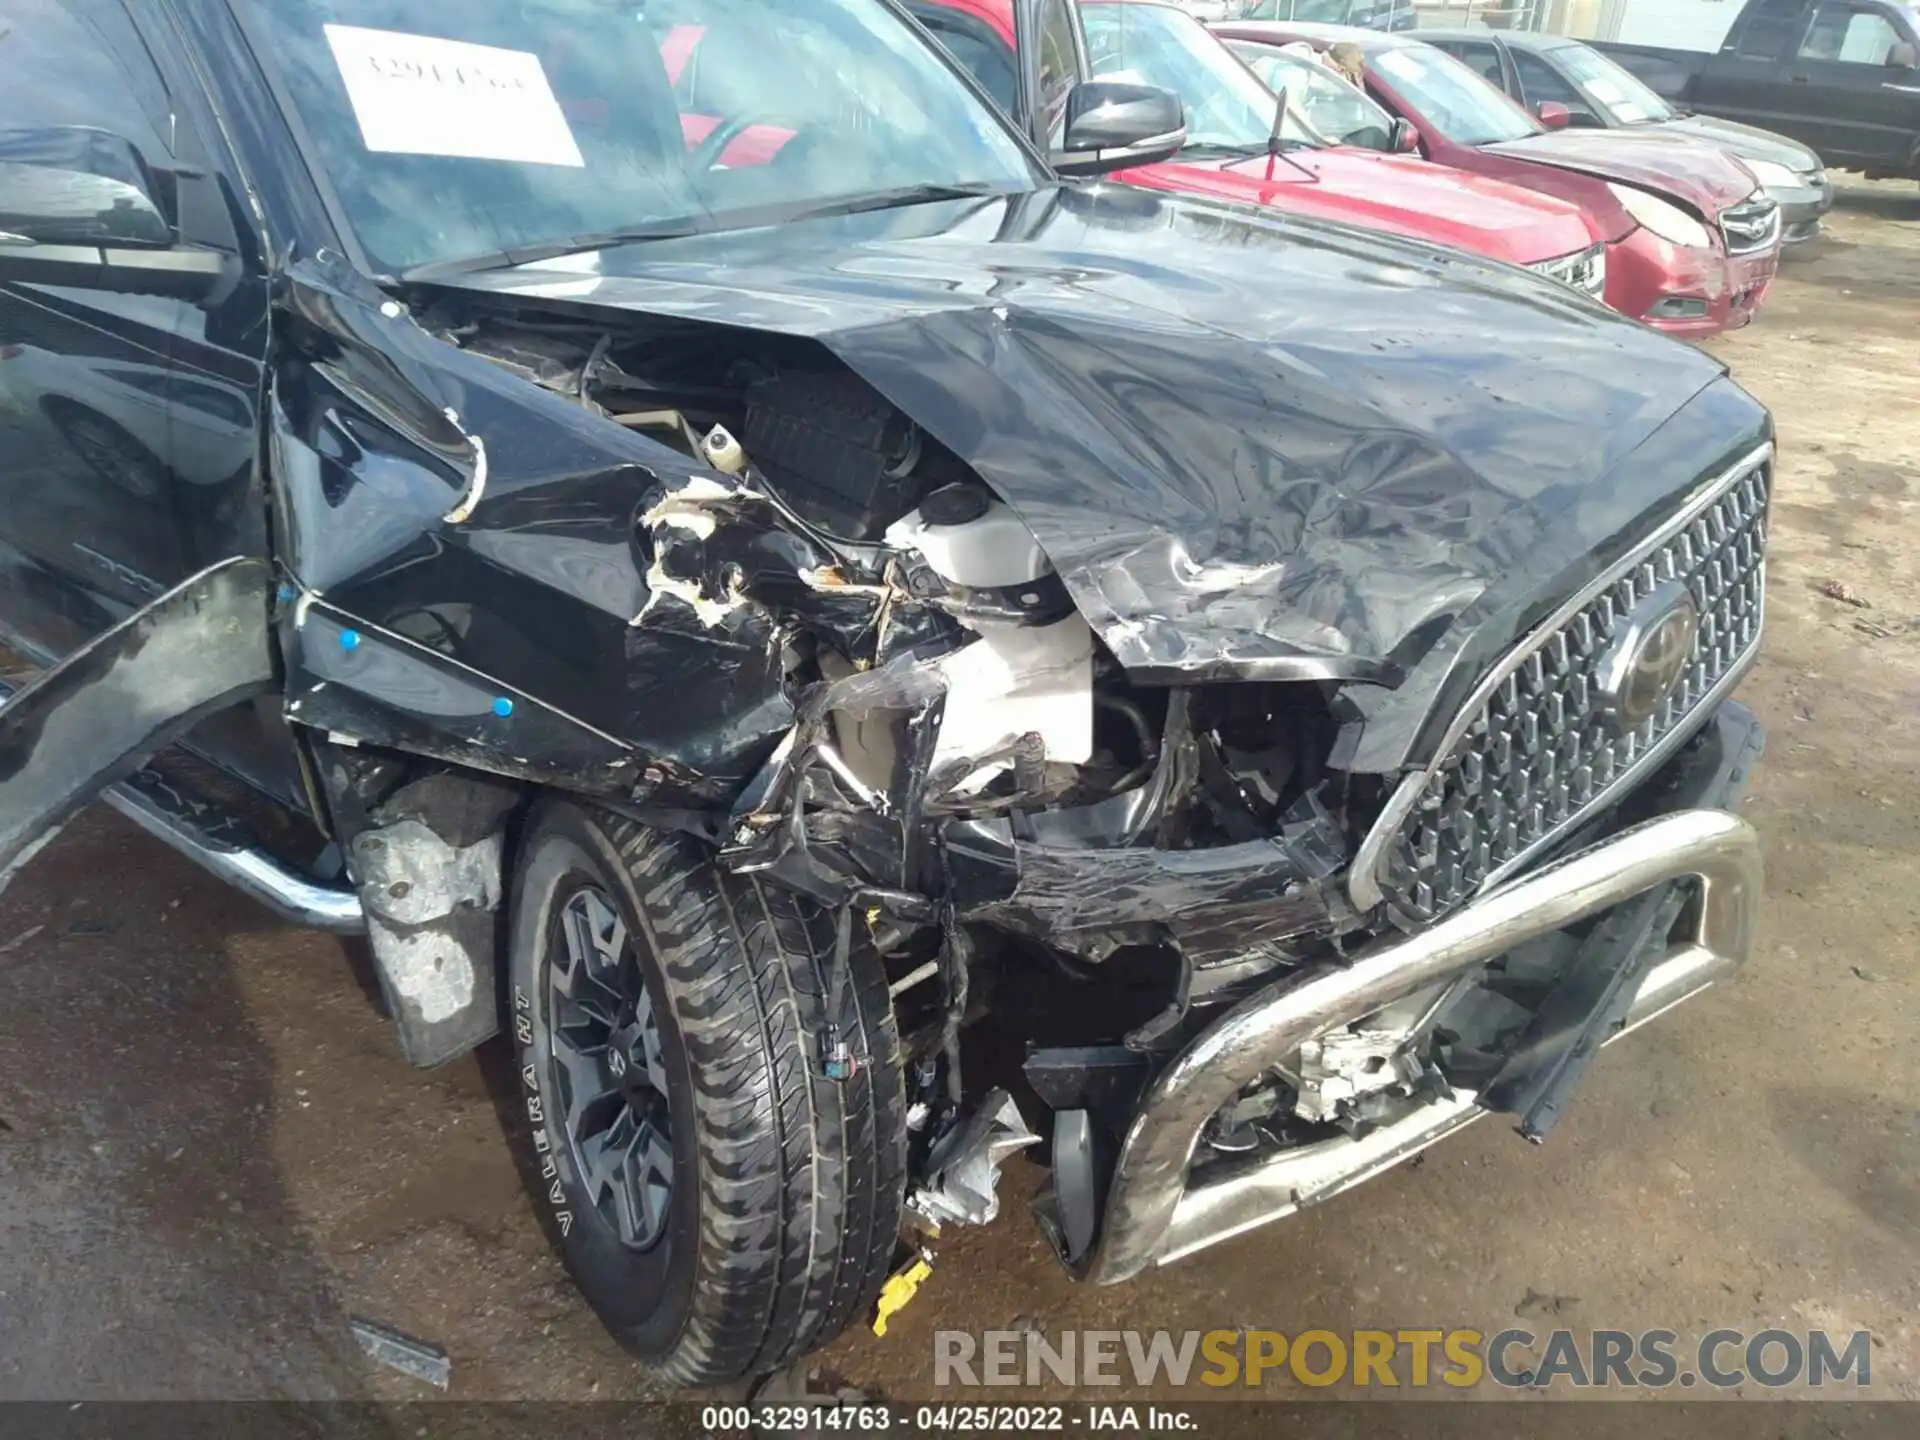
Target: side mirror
{"points": [[1552, 114], [1402, 138], [1901, 55], [78, 208], [1112, 124]]}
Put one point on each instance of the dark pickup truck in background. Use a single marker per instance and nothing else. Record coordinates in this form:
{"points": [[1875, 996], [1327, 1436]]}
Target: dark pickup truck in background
{"points": [[1840, 75]]}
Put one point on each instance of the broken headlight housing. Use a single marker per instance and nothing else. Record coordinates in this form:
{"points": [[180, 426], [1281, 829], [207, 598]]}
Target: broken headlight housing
{"points": [[1662, 217], [1584, 270]]}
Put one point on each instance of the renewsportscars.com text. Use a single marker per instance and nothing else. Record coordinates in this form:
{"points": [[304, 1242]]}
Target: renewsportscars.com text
{"points": [[1517, 1359]]}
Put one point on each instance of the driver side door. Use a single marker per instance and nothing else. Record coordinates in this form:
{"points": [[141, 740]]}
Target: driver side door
{"points": [[89, 496], [1858, 105], [129, 421]]}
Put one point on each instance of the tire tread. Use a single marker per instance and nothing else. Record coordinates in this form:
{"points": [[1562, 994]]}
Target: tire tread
{"points": [[802, 1178]]}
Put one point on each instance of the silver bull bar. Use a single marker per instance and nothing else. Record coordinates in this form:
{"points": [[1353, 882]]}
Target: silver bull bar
{"points": [[1154, 1215]]}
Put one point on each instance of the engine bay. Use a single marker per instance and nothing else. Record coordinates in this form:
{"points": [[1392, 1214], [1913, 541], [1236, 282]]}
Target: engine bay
{"points": [[969, 766], [924, 587]]}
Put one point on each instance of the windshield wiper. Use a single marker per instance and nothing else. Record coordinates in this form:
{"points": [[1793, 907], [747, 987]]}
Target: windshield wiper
{"points": [[896, 197], [509, 256], [512, 255], [1216, 150]]}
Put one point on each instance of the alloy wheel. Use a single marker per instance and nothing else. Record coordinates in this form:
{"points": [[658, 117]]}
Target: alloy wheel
{"points": [[608, 1070]]}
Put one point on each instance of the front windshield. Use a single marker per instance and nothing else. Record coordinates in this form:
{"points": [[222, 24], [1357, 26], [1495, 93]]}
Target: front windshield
{"points": [[1228, 110], [452, 131], [1323, 100], [1617, 90], [1451, 98]]}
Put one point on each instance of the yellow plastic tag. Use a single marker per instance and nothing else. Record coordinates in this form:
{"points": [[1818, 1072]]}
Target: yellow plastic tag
{"points": [[898, 1290]]}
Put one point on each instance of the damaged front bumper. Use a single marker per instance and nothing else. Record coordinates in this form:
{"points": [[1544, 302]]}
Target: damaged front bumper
{"points": [[1158, 1209]]}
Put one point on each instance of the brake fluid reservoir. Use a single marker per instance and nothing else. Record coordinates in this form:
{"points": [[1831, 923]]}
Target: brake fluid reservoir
{"points": [[723, 452], [970, 539]]}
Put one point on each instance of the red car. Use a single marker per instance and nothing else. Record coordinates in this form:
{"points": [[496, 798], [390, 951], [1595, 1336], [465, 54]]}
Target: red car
{"points": [[1692, 240], [1027, 54]]}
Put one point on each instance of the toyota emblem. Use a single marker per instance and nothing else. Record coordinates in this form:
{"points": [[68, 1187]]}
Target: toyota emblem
{"points": [[1649, 657]]}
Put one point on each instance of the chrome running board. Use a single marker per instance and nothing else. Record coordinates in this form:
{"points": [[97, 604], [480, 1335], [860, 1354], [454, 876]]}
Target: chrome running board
{"points": [[210, 839], [181, 825]]}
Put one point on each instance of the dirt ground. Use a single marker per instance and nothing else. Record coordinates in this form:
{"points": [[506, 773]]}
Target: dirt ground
{"points": [[210, 1155]]}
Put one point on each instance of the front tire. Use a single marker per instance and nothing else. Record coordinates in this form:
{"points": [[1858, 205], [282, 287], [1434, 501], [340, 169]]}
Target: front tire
{"points": [[723, 1206]]}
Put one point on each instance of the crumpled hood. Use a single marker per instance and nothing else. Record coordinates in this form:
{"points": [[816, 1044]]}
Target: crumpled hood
{"points": [[1252, 445], [1399, 193], [1704, 176], [1746, 141]]}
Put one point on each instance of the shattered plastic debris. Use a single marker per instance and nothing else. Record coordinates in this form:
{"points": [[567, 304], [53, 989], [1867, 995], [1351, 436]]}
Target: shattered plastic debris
{"points": [[963, 1171], [21, 939], [411, 1357], [1845, 594], [692, 506], [695, 509], [904, 683]]}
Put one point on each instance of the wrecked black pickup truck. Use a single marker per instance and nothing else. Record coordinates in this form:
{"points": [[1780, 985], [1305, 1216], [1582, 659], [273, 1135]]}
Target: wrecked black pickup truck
{"points": [[859, 656]]}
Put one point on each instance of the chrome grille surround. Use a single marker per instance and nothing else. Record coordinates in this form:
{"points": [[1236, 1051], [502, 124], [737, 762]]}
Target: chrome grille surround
{"points": [[1532, 753], [1752, 225]]}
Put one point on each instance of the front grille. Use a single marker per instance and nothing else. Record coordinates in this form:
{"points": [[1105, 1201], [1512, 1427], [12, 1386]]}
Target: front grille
{"points": [[1751, 225], [1585, 270], [1537, 751]]}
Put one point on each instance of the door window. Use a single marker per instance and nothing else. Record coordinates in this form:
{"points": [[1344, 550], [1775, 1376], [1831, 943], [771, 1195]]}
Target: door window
{"points": [[79, 63], [1540, 81], [1482, 59], [1057, 68], [1772, 28], [1848, 35], [82, 64], [981, 53]]}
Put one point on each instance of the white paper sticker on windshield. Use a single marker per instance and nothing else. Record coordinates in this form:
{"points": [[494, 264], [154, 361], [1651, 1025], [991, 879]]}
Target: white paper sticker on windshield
{"points": [[416, 95]]}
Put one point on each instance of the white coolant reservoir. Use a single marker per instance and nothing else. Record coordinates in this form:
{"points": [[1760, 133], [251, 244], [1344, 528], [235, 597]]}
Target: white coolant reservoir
{"points": [[969, 538], [1015, 679], [1018, 680]]}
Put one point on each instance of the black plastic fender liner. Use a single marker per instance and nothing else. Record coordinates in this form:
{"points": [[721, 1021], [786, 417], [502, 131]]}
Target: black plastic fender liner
{"points": [[132, 691]]}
